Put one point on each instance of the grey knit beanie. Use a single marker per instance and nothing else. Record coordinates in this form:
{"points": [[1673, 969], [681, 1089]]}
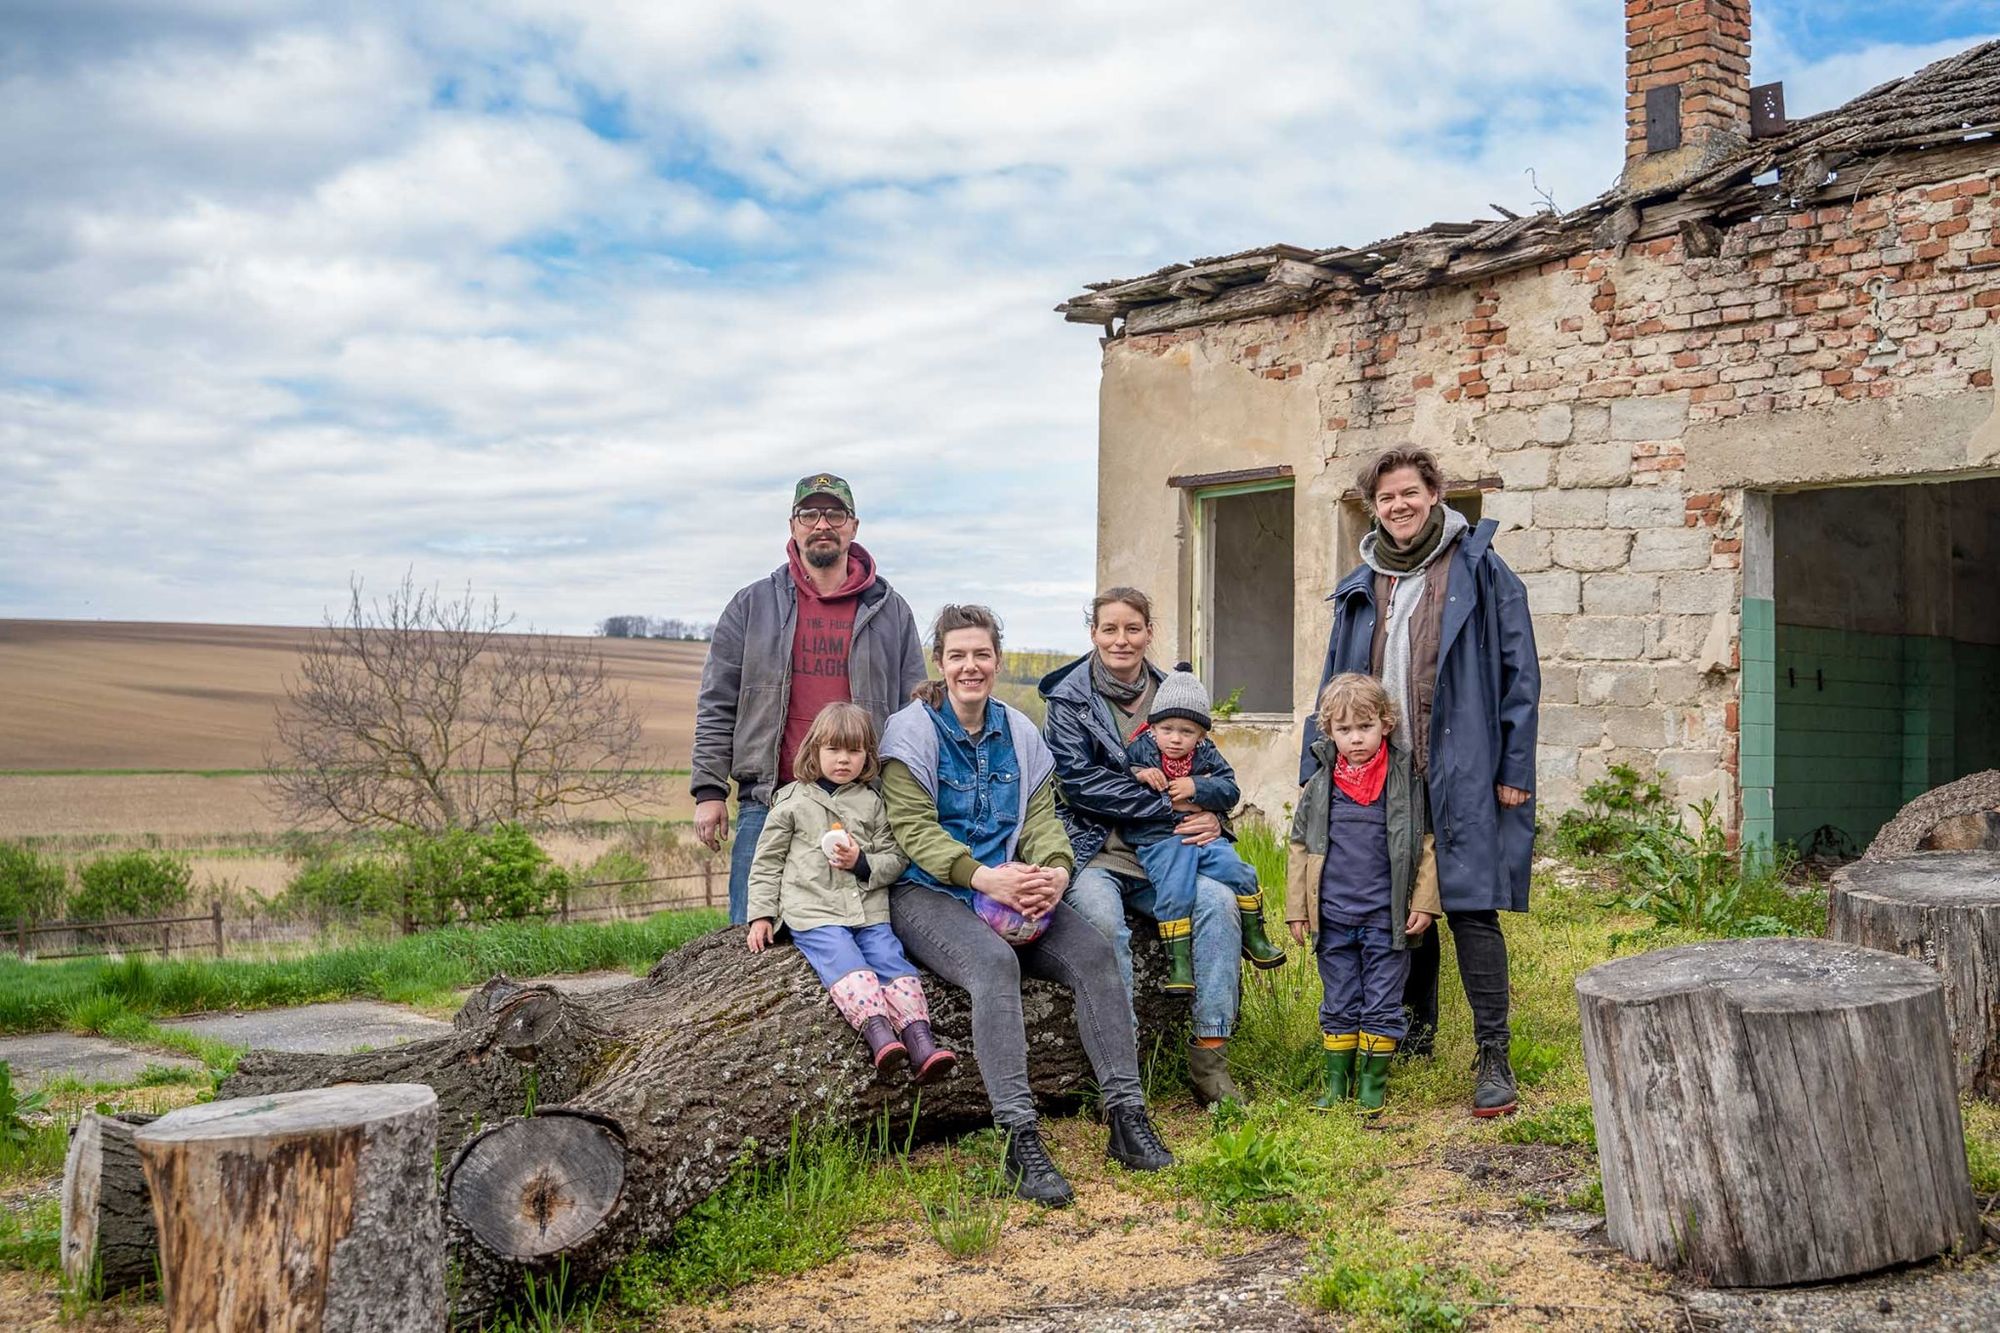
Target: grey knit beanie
{"points": [[1181, 694]]}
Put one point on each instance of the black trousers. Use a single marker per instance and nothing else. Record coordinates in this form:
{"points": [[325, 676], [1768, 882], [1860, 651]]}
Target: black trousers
{"points": [[1482, 967]]}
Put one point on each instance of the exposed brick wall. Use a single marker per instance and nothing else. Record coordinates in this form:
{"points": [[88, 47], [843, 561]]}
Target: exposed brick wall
{"points": [[1575, 385]]}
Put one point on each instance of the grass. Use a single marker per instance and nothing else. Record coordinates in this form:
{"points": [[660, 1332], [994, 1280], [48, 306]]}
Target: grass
{"points": [[110, 996], [31, 1238], [784, 1216]]}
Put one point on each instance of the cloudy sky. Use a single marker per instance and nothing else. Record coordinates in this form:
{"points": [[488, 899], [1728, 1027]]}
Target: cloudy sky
{"points": [[555, 299]]}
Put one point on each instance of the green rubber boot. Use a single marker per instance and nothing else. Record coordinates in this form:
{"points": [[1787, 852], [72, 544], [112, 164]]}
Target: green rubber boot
{"points": [[1339, 1078], [1180, 958], [1257, 946], [1371, 1075]]}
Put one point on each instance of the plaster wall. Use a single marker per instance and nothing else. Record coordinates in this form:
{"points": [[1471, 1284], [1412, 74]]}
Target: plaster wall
{"points": [[1619, 405]]}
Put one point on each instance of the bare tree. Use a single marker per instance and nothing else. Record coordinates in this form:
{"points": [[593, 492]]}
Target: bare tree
{"points": [[419, 713]]}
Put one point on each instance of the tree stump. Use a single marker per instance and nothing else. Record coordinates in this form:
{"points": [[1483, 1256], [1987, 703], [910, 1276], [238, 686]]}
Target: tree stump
{"points": [[1944, 908], [1775, 1111], [647, 1097], [108, 1239], [303, 1212]]}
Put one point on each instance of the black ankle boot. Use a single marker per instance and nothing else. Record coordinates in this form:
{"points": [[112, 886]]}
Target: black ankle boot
{"points": [[887, 1052], [1134, 1141], [1493, 1081], [1032, 1172]]}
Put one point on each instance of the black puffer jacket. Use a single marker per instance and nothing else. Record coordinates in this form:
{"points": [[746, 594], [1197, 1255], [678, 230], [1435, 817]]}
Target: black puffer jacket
{"points": [[1093, 776]]}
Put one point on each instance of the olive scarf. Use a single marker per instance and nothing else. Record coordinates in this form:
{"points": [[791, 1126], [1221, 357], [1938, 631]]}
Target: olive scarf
{"points": [[1393, 559]]}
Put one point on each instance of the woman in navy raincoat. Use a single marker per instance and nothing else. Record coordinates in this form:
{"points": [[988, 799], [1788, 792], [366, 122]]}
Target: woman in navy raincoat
{"points": [[1444, 623]]}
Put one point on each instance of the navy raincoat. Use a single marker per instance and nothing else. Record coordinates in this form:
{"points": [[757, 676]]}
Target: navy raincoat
{"points": [[1483, 717], [1093, 777]]}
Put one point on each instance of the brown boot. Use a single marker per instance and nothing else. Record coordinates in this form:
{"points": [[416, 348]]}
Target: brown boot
{"points": [[1208, 1070]]}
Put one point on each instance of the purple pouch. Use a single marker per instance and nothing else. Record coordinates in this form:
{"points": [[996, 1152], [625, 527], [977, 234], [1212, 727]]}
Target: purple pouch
{"points": [[1007, 923]]}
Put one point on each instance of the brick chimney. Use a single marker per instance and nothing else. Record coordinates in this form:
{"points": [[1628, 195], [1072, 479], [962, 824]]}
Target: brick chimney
{"points": [[1687, 87]]}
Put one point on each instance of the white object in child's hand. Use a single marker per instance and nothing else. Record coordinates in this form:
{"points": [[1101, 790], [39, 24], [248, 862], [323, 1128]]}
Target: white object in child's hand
{"points": [[833, 840]]}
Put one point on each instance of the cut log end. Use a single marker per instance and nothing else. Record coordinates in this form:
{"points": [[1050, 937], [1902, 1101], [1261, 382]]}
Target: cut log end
{"points": [[532, 1188], [1804, 975], [108, 1238], [1942, 808]]}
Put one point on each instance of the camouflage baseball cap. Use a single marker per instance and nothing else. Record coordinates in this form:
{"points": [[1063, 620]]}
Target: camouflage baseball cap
{"points": [[823, 483]]}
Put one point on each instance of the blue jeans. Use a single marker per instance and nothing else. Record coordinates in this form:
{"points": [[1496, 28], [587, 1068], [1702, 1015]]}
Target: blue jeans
{"points": [[1172, 867], [1361, 976], [750, 817], [834, 951], [1218, 938]]}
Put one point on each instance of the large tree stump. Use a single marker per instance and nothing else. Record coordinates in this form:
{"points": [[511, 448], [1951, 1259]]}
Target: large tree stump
{"points": [[1944, 908], [305, 1211], [1775, 1111], [647, 1097], [108, 1239], [1956, 816]]}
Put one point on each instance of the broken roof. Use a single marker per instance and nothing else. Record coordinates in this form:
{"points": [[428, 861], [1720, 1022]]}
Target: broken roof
{"points": [[1911, 129]]}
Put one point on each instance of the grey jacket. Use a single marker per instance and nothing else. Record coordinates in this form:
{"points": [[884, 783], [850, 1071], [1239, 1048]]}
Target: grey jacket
{"points": [[746, 683]]}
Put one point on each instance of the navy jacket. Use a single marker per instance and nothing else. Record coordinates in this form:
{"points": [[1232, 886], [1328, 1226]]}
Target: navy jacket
{"points": [[1093, 776], [1214, 780], [1483, 718]]}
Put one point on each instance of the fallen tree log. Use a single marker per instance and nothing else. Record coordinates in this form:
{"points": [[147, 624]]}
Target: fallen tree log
{"points": [[1942, 908], [648, 1096], [108, 1238], [1775, 1111]]}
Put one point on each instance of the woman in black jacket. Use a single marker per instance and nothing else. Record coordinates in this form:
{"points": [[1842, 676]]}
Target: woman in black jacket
{"points": [[1095, 706]]}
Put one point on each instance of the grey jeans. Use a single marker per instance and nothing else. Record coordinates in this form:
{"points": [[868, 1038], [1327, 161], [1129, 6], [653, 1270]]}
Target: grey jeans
{"points": [[944, 935]]}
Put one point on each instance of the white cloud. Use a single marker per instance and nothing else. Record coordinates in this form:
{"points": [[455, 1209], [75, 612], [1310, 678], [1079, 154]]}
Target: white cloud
{"points": [[558, 301]]}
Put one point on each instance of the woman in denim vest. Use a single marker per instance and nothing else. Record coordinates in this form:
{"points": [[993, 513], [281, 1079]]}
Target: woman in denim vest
{"points": [[969, 785]]}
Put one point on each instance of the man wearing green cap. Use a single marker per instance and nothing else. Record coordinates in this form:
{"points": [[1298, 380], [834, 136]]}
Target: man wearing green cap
{"points": [[823, 628]]}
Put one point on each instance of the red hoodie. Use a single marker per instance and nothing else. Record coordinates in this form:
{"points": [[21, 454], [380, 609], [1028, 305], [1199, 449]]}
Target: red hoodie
{"points": [[820, 639]]}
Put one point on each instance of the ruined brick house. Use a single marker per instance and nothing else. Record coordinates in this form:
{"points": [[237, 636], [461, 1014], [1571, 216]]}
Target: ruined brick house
{"points": [[1735, 420]]}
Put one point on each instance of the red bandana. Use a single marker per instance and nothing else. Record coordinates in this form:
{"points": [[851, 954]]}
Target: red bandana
{"points": [[1182, 767], [1364, 784]]}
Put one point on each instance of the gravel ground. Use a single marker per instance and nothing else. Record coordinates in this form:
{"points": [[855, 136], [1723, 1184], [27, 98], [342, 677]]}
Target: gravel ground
{"points": [[1253, 1293], [37, 1059], [345, 1025], [1924, 1298]]}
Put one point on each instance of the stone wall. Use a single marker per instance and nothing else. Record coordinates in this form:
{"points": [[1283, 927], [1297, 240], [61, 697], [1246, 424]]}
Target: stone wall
{"points": [[1617, 407]]}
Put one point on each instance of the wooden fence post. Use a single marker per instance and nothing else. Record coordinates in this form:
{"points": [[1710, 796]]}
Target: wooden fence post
{"points": [[166, 939], [707, 882], [21, 937], [215, 915]]}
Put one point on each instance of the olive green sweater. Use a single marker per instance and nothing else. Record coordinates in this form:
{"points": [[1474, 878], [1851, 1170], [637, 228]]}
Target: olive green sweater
{"points": [[914, 817]]}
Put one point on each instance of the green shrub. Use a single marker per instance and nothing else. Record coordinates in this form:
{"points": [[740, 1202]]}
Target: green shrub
{"points": [[131, 884], [1696, 881], [31, 885], [1569, 1125], [1617, 808], [360, 886], [463, 876], [1245, 1164]]}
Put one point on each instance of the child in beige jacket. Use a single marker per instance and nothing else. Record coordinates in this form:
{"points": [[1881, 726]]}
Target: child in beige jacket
{"points": [[823, 868]]}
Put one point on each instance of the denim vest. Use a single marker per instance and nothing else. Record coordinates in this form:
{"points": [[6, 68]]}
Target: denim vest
{"points": [[978, 788]]}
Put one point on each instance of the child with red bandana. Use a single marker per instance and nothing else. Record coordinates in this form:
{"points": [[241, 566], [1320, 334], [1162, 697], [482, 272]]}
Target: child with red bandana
{"points": [[1363, 880]]}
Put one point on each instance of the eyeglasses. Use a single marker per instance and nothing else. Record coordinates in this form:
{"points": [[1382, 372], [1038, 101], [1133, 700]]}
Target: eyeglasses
{"points": [[833, 516]]}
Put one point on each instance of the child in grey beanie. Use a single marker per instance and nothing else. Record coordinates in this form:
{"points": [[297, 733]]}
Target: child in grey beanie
{"points": [[1174, 756]]}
